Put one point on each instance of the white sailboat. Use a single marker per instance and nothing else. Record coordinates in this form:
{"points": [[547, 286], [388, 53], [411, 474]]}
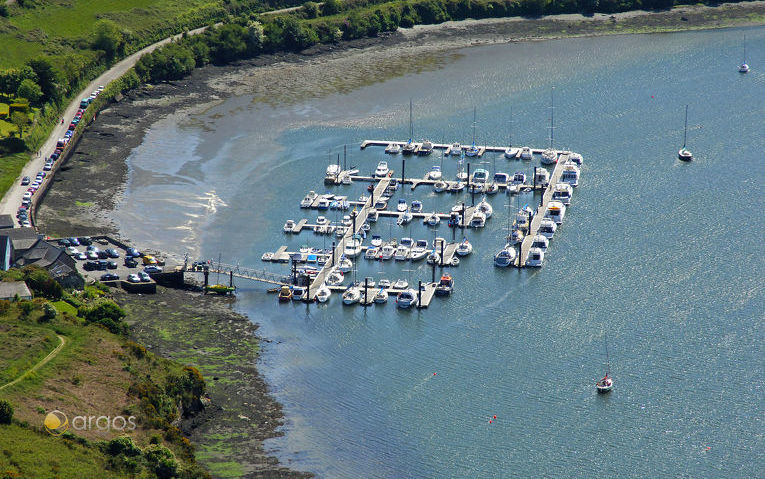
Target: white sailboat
{"points": [[472, 150], [684, 154], [744, 67], [607, 383]]}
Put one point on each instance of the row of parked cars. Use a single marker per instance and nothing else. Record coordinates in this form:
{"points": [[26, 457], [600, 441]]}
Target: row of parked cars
{"points": [[22, 214], [101, 260]]}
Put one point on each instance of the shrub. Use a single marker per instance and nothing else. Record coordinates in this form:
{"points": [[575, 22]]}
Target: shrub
{"points": [[161, 460], [49, 313], [6, 412], [122, 445]]}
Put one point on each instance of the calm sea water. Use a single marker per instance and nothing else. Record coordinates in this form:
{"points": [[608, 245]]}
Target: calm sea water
{"points": [[660, 259]]}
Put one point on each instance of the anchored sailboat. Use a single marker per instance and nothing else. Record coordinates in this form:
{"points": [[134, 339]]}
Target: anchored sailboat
{"points": [[684, 154], [606, 384]]}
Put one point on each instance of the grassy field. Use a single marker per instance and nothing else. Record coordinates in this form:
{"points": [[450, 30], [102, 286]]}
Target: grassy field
{"points": [[22, 346], [36, 454]]}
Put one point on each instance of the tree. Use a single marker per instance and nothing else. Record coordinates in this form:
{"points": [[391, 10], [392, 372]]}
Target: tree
{"points": [[20, 120], [311, 9], [48, 77], [331, 7], [108, 37], [6, 412], [161, 460], [29, 90]]}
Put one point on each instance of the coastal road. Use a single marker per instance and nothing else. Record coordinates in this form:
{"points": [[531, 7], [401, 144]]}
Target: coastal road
{"points": [[12, 199]]}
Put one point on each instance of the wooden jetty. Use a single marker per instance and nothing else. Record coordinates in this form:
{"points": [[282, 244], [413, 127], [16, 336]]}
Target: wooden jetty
{"points": [[424, 299], [540, 211], [443, 146]]}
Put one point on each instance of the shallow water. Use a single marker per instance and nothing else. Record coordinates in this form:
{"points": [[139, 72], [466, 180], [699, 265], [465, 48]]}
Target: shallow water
{"points": [[662, 258]]}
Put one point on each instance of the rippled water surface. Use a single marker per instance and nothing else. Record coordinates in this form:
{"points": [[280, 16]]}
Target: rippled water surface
{"points": [[663, 258]]}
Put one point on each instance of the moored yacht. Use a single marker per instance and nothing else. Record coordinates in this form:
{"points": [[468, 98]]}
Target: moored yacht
{"points": [[516, 236], [298, 293], [332, 173], [387, 251], [372, 253], [409, 148], [435, 173], [416, 206], [400, 284], [570, 174], [376, 241], [556, 211], [401, 206], [455, 149], [426, 148], [519, 178], [471, 150], [541, 176], [445, 285], [308, 200], [526, 153], [511, 152], [289, 226], [381, 297], [535, 258], [334, 278], [575, 158], [464, 248], [351, 295], [382, 169], [547, 228], [404, 218], [485, 208], [406, 298], [501, 178], [505, 257], [440, 186], [480, 176], [549, 157], [372, 215], [344, 265], [433, 219], [419, 251], [323, 203], [393, 149], [456, 187], [562, 192], [323, 294], [402, 253], [540, 241], [381, 203], [478, 220]]}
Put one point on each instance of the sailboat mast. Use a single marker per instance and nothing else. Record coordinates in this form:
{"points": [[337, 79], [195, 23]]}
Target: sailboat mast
{"points": [[411, 125], [608, 361], [474, 126], [552, 116], [685, 134]]}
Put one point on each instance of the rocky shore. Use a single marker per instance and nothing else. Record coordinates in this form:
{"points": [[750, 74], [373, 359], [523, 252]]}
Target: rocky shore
{"points": [[204, 331]]}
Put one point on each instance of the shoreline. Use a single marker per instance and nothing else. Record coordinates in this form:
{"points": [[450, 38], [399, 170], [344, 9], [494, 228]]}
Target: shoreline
{"points": [[88, 188]]}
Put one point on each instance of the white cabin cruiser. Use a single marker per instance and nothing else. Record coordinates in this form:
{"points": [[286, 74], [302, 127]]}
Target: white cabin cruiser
{"points": [[333, 171], [344, 265], [376, 241], [478, 220], [575, 158], [456, 187], [455, 149], [387, 251], [541, 176], [323, 294], [416, 206], [440, 186], [334, 278], [570, 174], [381, 297], [402, 253], [400, 284], [372, 215], [556, 211], [372, 253], [433, 219], [404, 218], [505, 257], [501, 178], [408, 242], [308, 200], [323, 203], [289, 226], [435, 173], [540, 241], [562, 192], [401, 206], [419, 251], [393, 149], [519, 178], [512, 152], [526, 153], [535, 258], [382, 169], [426, 148], [351, 295], [406, 298], [547, 228], [464, 248]]}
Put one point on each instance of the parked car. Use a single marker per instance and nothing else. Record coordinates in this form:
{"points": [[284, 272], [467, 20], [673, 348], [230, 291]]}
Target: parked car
{"points": [[64, 242], [85, 240], [109, 277], [102, 254], [145, 278], [71, 250], [103, 265], [152, 269], [112, 253], [26, 224], [133, 252], [130, 262], [47, 167], [25, 181], [81, 256], [74, 241], [27, 195], [90, 265], [92, 255], [111, 264], [93, 248], [149, 259], [134, 278]]}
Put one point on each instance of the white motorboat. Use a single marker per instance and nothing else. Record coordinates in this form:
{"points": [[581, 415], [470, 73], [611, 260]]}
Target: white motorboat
{"points": [[333, 170], [501, 178], [526, 153], [406, 298], [547, 228], [535, 258], [372, 253], [515, 236], [339, 231], [521, 221], [289, 226], [382, 169], [381, 297], [549, 157], [426, 148], [478, 220], [401, 206], [485, 208], [464, 248], [491, 188], [556, 211], [267, 256], [505, 257], [401, 254], [323, 203], [455, 149], [321, 220], [344, 265], [570, 174], [387, 251], [440, 186], [476, 188], [462, 176], [372, 216], [471, 151], [418, 252], [404, 218], [540, 241], [456, 187], [323, 294], [416, 206], [433, 257], [512, 152], [381, 204], [351, 295], [458, 208], [369, 282], [384, 283], [684, 154], [298, 293], [352, 249], [513, 189], [562, 192], [393, 149], [346, 180], [400, 284], [433, 219], [334, 278], [409, 148], [308, 200], [480, 176], [541, 176], [346, 221], [519, 178], [435, 173], [408, 242], [376, 241], [445, 286], [575, 158]]}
